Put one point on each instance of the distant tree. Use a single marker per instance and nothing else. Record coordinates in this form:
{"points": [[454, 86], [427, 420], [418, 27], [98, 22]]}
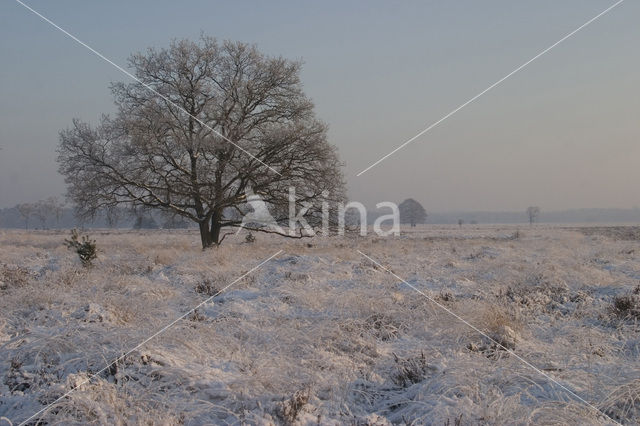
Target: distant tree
{"points": [[532, 213], [145, 221], [412, 212], [112, 217], [172, 221], [57, 208], [41, 211], [26, 210], [460, 222], [229, 120], [44, 209]]}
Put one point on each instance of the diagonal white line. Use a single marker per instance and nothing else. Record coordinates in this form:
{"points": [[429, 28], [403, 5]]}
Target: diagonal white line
{"points": [[492, 86], [459, 318], [145, 341], [101, 56]]}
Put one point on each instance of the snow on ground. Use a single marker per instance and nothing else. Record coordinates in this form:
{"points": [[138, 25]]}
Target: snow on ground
{"points": [[321, 335]]}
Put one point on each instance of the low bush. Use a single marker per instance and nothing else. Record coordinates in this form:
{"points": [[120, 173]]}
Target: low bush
{"points": [[207, 287], [410, 370], [289, 409], [85, 248], [626, 306]]}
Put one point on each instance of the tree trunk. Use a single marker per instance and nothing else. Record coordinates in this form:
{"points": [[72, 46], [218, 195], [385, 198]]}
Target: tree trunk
{"points": [[216, 227], [210, 231], [205, 235]]}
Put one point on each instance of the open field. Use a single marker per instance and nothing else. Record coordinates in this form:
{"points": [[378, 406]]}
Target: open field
{"points": [[320, 334]]}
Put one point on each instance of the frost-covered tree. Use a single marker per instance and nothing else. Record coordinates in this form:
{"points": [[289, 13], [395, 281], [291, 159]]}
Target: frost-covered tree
{"points": [[26, 210], [412, 212], [229, 120], [172, 221], [57, 208], [145, 221], [532, 213], [41, 211], [51, 207]]}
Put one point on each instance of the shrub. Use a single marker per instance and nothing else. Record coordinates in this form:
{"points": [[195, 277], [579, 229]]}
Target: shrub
{"points": [[627, 306], [289, 409], [86, 248], [250, 238], [382, 326], [207, 287], [196, 316], [410, 370]]}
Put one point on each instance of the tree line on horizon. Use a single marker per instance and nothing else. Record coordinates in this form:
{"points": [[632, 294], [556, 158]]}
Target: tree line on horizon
{"points": [[51, 213], [10, 218]]}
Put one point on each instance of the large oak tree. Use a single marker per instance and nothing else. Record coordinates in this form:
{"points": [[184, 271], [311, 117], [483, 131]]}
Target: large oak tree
{"points": [[204, 124]]}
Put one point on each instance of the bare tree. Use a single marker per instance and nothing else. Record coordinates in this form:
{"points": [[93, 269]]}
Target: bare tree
{"points": [[57, 208], [532, 213], [144, 220], [112, 217], [173, 221], [26, 210], [172, 152], [50, 207], [412, 212], [41, 211]]}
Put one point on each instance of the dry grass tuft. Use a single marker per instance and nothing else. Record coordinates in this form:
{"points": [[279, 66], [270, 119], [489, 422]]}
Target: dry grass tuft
{"points": [[496, 317], [409, 371], [14, 276], [289, 409], [623, 404], [626, 306]]}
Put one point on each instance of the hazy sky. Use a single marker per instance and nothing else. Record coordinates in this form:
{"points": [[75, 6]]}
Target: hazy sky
{"points": [[562, 133]]}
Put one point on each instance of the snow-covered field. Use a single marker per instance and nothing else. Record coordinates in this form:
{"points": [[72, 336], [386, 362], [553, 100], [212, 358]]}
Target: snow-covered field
{"points": [[320, 334]]}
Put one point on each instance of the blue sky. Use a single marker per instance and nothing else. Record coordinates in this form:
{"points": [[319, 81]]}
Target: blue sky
{"points": [[562, 133]]}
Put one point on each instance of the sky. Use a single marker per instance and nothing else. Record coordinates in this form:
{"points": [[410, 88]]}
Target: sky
{"points": [[562, 133]]}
